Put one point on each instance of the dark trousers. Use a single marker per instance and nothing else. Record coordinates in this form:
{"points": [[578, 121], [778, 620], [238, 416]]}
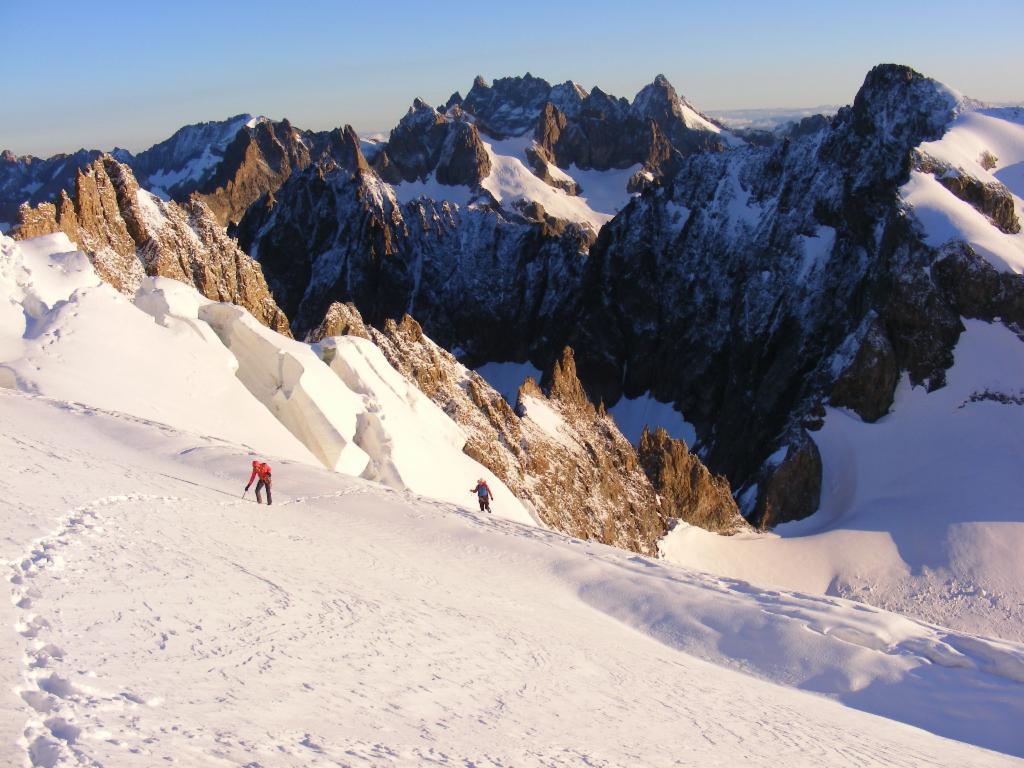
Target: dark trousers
{"points": [[485, 503], [260, 485]]}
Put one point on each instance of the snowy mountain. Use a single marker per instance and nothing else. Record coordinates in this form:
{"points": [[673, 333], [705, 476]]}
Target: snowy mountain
{"points": [[189, 157], [228, 163], [159, 617], [789, 259]]}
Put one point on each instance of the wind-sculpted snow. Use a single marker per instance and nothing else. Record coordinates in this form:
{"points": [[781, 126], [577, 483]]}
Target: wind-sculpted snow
{"points": [[211, 368], [79, 339], [418, 446], [155, 617], [293, 385]]}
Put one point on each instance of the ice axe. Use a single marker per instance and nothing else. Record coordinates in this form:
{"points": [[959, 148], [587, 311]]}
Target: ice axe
{"points": [[243, 493]]}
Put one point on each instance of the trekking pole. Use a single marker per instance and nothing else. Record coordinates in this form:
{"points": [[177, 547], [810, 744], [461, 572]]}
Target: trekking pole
{"points": [[243, 493]]}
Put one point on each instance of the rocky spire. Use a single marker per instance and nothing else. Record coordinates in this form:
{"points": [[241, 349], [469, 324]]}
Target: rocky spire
{"points": [[347, 151], [688, 489], [565, 384]]}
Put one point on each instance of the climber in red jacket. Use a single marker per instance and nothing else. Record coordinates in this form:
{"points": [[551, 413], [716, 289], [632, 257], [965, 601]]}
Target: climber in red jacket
{"points": [[262, 470]]}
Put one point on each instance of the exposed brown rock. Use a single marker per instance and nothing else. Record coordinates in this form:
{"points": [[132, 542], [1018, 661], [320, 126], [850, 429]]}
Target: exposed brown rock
{"points": [[549, 129], [426, 142], [565, 384], [129, 234], [540, 163], [586, 481], [34, 222], [255, 163], [340, 320], [978, 289], [792, 489], [463, 157], [687, 488]]}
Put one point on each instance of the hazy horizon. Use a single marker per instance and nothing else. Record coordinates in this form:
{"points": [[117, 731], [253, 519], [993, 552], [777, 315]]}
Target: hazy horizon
{"points": [[117, 74]]}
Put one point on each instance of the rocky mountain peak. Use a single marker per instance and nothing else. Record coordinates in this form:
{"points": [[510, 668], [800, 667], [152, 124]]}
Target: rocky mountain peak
{"points": [[260, 157], [426, 141], [896, 109], [568, 97], [509, 106], [189, 143], [347, 150], [128, 233], [898, 102], [658, 90], [341, 319]]}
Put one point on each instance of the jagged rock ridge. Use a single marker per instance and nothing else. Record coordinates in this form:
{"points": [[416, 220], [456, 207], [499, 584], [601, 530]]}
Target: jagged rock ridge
{"points": [[336, 230], [128, 233], [585, 478]]}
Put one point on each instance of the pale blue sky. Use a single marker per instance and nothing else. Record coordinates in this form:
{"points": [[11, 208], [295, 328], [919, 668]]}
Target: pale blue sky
{"points": [[100, 74]]}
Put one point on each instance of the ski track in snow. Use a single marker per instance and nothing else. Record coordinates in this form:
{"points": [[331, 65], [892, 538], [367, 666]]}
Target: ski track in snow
{"points": [[59, 708]]}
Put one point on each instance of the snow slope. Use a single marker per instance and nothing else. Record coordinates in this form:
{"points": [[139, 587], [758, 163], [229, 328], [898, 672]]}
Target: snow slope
{"points": [[921, 512], [603, 192], [156, 618], [996, 132], [172, 356]]}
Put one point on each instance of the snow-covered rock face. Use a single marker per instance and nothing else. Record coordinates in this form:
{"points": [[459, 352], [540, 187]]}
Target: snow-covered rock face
{"points": [[128, 233], [188, 158], [740, 289], [338, 231], [228, 163]]}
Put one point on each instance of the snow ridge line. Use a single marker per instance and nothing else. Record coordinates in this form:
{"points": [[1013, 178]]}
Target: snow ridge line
{"points": [[53, 729]]}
